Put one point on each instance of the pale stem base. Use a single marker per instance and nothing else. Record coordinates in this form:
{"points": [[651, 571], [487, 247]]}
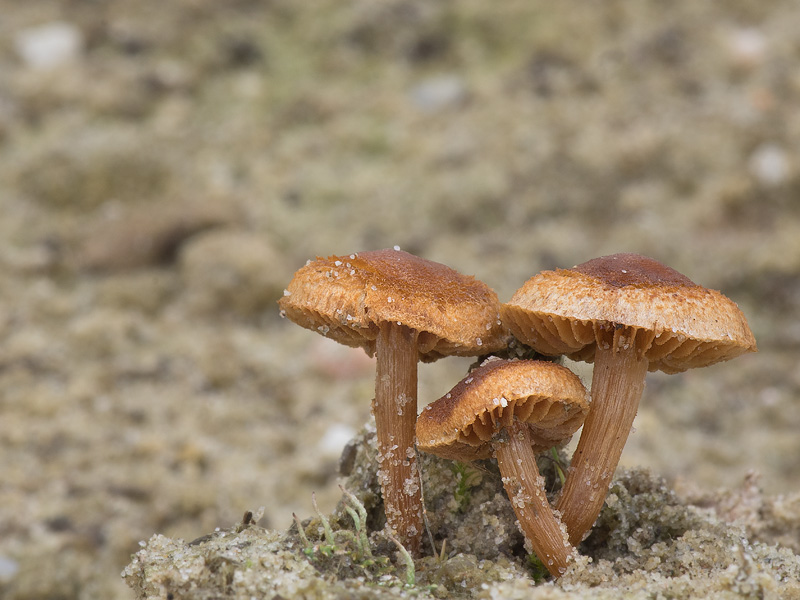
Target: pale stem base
{"points": [[525, 489], [395, 410], [617, 385]]}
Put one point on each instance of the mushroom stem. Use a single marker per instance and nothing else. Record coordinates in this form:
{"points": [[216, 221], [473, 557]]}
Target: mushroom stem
{"points": [[395, 410], [525, 489], [617, 385]]}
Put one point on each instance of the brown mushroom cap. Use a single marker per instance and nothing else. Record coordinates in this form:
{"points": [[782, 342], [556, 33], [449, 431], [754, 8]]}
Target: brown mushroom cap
{"points": [[347, 297], [549, 398], [678, 324]]}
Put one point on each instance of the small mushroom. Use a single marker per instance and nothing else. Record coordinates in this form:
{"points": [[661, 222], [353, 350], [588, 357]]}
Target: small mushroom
{"points": [[626, 313], [402, 309], [512, 410]]}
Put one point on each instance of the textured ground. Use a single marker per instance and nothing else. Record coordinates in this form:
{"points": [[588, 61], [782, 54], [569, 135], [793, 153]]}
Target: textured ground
{"points": [[159, 187]]}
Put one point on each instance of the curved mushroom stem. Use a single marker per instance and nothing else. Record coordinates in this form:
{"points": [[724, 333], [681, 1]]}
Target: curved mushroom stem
{"points": [[617, 385], [395, 410], [525, 489]]}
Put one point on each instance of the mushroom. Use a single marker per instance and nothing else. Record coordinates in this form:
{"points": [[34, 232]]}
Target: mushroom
{"points": [[512, 410], [401, 308], [627, 313]]}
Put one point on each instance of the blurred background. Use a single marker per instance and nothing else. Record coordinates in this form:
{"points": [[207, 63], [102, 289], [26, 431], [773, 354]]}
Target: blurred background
{"points": [[166, 166]]}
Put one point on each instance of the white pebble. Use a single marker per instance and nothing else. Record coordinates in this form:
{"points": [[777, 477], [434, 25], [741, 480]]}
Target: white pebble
{"points": [[335, 438], [438, 93], [769, 164], [48, 46], [748, 46]]}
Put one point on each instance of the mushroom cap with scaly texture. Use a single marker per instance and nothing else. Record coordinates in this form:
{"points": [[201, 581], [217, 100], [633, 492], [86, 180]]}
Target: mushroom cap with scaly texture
{"points": [[460, 425], [677, 324], [346, 298]]}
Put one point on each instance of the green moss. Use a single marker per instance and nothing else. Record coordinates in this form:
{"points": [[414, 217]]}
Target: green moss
{"points": [[467, 477], [344, 553], [538, 571]]}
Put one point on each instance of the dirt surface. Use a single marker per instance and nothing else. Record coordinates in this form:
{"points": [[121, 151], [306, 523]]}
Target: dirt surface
{"points": [[646, 543], [165, 167]]}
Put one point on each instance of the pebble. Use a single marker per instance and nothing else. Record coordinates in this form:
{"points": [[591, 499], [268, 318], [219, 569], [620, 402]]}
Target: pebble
{"points": [[232, 271], [335, 438], [49, 46], [8, 568], [769, 164], [438, 93], [135, 237], [747, 46]]}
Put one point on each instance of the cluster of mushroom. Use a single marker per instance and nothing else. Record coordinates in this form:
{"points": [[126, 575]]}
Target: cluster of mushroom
{"points": [[626, 313]]}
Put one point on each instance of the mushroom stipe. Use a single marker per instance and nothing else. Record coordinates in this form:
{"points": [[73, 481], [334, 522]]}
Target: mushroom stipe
{"points": [[628, 314], [403, 309], [512, 410]]}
